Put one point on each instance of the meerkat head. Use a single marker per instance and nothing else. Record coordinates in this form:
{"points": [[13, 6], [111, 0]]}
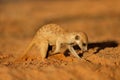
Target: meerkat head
{"points": [[81, 40]]}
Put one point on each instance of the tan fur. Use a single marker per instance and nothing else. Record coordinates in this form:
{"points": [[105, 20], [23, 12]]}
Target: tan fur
{"points": [[54, 35]]}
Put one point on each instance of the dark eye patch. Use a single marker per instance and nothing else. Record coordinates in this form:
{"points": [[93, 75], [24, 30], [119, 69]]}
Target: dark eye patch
{"points": [[77, 37]]}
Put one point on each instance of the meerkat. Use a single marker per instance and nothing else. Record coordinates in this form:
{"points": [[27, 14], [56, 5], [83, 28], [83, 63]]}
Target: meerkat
{"points": [[54, 35]]}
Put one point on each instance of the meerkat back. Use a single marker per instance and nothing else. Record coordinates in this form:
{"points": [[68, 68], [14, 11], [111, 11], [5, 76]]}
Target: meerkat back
{"points": [[50, 32]]}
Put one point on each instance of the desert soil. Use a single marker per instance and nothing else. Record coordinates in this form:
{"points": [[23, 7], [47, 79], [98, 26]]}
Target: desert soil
{"points": [[100, 19]]}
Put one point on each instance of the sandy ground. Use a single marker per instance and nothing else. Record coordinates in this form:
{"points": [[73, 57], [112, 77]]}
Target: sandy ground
{"points": [[19, 20]]}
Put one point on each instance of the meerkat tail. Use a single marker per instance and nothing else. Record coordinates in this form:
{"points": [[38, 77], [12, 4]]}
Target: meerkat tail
{"points": [[28, 48]]}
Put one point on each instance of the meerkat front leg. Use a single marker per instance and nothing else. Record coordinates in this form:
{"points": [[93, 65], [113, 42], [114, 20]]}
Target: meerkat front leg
{"points": [[58, 46], [71, 49]]}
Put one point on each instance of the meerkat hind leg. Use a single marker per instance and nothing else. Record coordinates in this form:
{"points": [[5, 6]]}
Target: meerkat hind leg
{"points": [[71, 49], [43, 48]]}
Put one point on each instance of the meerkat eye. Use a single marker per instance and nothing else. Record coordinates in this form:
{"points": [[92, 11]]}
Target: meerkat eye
{"points": [[77, 37]]}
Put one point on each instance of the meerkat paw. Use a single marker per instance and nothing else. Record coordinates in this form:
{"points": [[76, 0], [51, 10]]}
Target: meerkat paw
{"points": [[56, 52]]}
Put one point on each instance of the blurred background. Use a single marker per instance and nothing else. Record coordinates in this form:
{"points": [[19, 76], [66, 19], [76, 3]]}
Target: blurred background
{"points": [[100, 19], [20, 19]]}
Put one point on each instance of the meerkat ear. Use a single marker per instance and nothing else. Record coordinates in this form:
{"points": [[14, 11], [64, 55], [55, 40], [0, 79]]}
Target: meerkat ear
{"points": [[77, 37]]}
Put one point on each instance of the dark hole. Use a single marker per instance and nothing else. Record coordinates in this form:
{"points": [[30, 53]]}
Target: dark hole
{"points": [[49, 49]]}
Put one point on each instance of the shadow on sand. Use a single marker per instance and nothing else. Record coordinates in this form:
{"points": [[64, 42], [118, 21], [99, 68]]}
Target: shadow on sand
{"points": [[100, 45], [103, 45]]}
